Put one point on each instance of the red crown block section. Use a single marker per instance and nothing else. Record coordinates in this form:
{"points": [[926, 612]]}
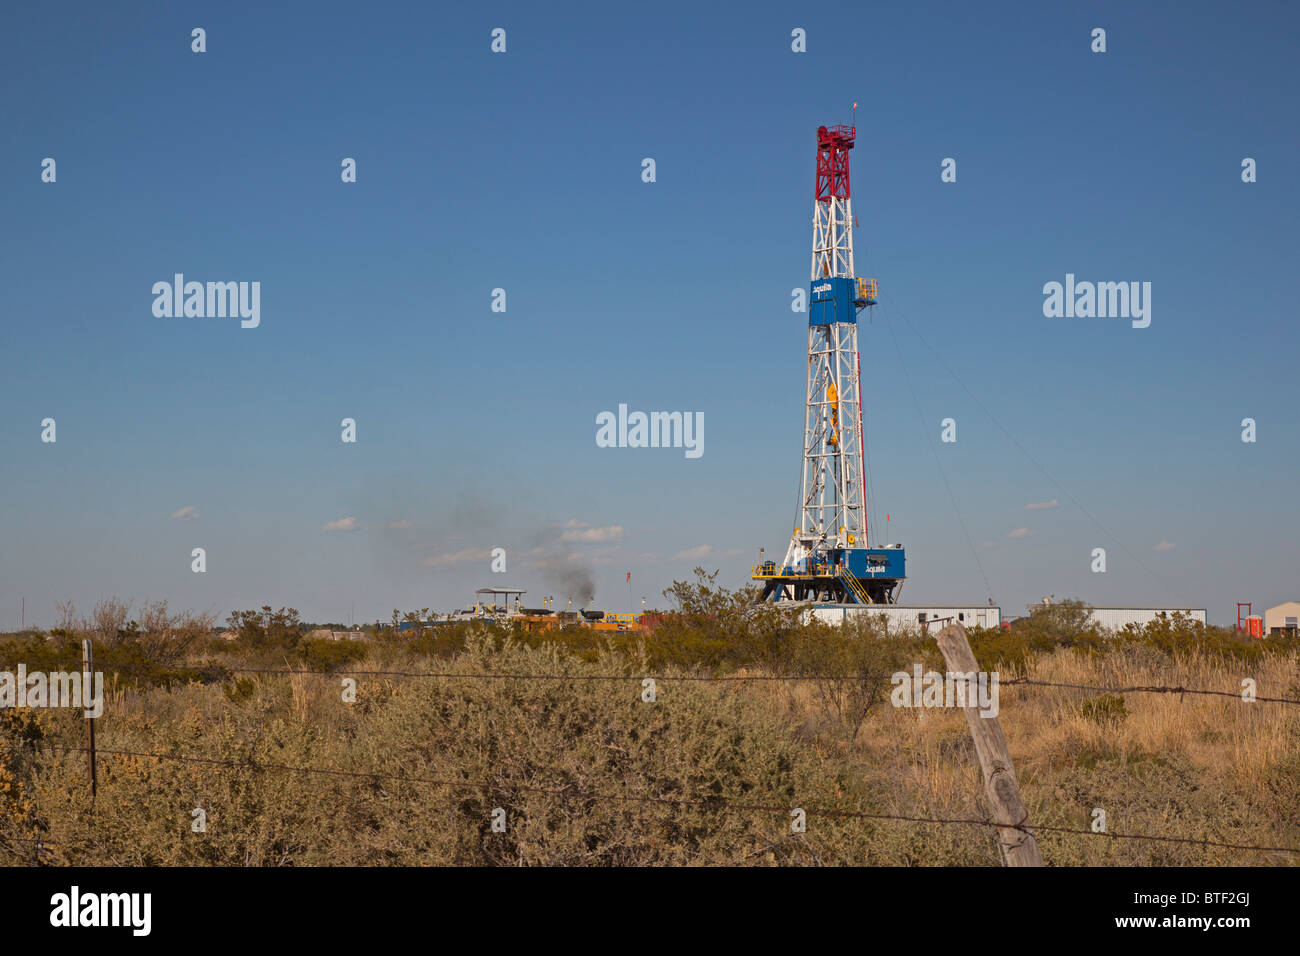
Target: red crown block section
{"points": [[833, 145]]}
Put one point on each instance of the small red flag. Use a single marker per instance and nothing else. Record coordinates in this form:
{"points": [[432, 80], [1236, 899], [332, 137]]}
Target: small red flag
{"points": [[629, 577]]}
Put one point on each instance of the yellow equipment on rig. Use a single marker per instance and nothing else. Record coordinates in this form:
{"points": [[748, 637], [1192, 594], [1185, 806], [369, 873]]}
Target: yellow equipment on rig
{"points": [[833, 396]]}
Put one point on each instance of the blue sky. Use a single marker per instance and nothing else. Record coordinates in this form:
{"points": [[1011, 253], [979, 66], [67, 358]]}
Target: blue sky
{"points": [[522, 171]]}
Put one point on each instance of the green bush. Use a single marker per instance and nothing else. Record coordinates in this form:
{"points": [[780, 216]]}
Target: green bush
{"points": [[128, 661], [852, 667], [1178, 635], [327, 655], [267, 629], [240, 690]]}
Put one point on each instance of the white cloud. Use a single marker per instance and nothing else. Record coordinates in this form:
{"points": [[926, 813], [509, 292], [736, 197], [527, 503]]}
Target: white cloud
{"points": [[1040, 505], [188, 513], [1164, 546], [612, 533], [459, 557], [693, 554], [343, 524], [401, 524], [1019, 533]]}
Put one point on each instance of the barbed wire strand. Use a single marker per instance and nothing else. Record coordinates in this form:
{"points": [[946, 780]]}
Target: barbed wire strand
{"points": [[721, 678]]}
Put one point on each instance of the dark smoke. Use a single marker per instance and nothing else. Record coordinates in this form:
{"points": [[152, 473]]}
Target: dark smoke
{"points": [[576, 583], [564, 571]]}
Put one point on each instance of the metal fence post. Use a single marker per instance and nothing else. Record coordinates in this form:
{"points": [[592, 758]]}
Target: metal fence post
{"points": [[87, 679]]}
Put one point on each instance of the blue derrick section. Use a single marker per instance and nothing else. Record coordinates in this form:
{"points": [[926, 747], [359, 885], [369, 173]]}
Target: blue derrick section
{"points": [[832, 300]]}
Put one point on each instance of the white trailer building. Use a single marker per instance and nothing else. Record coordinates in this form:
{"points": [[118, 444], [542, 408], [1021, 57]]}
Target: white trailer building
{"points": [[1116, 618], [919, 618], [1283, 619]]}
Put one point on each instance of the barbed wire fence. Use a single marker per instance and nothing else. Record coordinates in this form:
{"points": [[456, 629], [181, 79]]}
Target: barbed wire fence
{"points": [[1176, 689], [571, 793]]}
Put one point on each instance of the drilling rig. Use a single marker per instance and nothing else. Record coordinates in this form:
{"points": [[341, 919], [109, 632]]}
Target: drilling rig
{"points": [[829, 558]]}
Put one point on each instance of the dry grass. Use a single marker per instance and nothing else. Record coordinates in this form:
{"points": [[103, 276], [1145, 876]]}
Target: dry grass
{"points": [[1205, 767], [568, 760], [1223, 737]]}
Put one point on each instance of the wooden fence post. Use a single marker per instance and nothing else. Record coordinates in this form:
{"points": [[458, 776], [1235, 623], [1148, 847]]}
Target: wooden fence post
{"points": [[1019, 848], [87, 683]]}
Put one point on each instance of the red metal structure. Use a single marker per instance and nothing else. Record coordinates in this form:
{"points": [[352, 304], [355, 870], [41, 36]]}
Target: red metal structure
{"points": [[833, 145], [1251, 624]]}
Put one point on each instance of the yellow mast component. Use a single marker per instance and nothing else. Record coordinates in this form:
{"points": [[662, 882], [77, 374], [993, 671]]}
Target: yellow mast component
{"points": [[833, 397]]}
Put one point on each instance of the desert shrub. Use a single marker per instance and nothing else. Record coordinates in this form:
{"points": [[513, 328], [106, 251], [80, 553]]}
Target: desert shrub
{"points": [[1178, 635], [20, 828], [850, 667], [1151, 794], [586, 772], [440, 640], [58, 652], [129, 660], [239, 690], [1061, 624], [328, 655], [719, 629], [1009, 649], [160, 636], [267, 629]]}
